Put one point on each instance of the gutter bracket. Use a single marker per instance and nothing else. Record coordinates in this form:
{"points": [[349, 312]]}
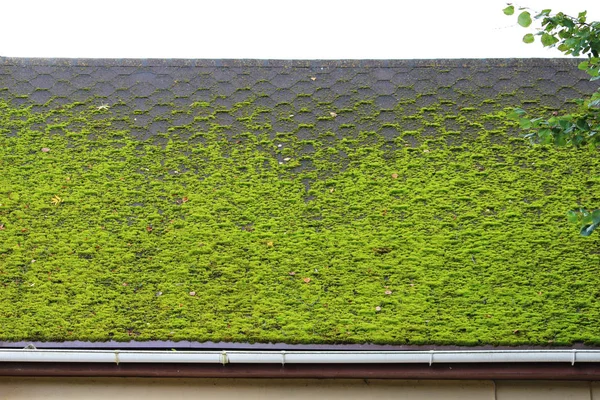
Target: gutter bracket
{"points": [[224, 358], [574, 356], [282, 358], [117, 357], [431, 352]]}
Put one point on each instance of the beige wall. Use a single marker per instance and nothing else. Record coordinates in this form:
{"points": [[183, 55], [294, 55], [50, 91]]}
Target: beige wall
{"points": [[245, 389]]}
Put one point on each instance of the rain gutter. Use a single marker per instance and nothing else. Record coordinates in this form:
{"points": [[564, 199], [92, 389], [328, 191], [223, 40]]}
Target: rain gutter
{"points": [[302, 357], [572, 364]]}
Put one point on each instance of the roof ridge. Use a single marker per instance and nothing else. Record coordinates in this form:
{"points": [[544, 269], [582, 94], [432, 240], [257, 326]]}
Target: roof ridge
{"points": [[267, 63]]}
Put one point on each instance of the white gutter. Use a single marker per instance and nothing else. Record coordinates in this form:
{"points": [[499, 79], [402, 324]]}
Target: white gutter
{"points": [[300, 357]]}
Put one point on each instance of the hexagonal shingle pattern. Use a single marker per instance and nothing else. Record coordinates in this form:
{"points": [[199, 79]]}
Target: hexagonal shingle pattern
{"points": [[293, 95]]}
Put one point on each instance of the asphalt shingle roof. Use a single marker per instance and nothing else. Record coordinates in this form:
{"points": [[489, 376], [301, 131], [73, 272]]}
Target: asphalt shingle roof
{"points": [[291, 201]]}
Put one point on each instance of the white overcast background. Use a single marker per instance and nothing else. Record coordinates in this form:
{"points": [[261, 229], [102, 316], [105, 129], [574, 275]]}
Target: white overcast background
{"points": [[307, 29]]}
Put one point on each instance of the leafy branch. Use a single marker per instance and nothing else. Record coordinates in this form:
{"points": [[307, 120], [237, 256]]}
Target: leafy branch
{"points": [[570, 35], [573, 36]]}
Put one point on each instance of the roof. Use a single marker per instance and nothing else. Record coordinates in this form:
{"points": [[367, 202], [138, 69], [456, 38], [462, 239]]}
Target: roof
{"points": [[387, 202]]}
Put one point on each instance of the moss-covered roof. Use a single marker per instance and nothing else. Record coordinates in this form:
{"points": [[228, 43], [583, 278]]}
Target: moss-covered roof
{"points": [[292, 201]]}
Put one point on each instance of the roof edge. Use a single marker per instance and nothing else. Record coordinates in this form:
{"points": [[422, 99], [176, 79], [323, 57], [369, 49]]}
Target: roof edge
{"points": [[191, 345], [342, 63]]}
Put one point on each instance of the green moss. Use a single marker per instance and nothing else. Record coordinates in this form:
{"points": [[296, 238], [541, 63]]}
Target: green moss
{"points": [[200, 104], [464, 230]]}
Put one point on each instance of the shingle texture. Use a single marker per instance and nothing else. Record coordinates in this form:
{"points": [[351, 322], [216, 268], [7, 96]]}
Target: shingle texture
{"points": [[292, 201], [157, 87]]}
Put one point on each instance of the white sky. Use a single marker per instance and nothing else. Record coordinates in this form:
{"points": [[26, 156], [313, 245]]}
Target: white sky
{"points": [[306, 29]]}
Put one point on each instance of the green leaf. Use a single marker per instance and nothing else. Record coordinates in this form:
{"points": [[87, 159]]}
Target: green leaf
{"points": [[543, 13], [516, 113], [545, 136], [594, 104], [573, 216], [572, 42], [528, 38], [548, 40], [587, 218], [588, 229], [568, 23], [596, 217], [583, 65], [510, 10], [582, 125], [525, 123], [565, 125], [524, 19]]}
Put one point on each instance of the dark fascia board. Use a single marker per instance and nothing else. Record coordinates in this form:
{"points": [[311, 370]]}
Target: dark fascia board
{"points": [[506, 371], [159, 62]]}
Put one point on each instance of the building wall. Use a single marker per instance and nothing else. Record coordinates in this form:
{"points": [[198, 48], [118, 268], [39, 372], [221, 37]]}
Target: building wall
{"points": [[246, 389]]}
